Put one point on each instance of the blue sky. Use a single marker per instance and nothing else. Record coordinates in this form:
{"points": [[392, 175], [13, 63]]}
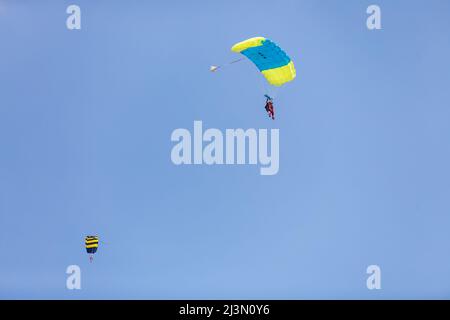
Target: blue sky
{"points": [[85, 124]]}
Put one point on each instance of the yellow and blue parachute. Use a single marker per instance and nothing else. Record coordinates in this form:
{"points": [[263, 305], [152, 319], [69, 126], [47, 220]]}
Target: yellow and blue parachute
{"points": [[269, 58]]}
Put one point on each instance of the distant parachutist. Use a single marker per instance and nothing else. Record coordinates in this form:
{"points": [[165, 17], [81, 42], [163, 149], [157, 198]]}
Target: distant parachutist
{"points": [[91, 244]]}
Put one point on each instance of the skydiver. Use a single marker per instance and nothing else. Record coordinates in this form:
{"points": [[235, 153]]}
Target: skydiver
{"points": [[269, 107]]}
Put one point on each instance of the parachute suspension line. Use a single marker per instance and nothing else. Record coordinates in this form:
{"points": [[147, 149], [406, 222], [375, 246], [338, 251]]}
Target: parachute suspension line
{"points": [[263, 84], [267, 88], [237, 60], [215, 68], [273, 92]]}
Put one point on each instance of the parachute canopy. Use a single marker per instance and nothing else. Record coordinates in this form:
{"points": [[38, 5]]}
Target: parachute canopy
{"points": [[91, 243], [268, 57]]}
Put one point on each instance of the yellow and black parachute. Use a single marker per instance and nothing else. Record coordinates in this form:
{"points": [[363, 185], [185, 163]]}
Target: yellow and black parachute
{"points": [[91, 244]]}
